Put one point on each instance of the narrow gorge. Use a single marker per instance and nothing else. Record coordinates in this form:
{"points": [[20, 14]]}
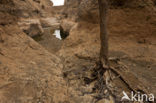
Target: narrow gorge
{"points": [[49, 53]]}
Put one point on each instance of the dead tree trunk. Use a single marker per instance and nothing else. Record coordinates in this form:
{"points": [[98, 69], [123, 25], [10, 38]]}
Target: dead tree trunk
{"points": [[103, 9]]}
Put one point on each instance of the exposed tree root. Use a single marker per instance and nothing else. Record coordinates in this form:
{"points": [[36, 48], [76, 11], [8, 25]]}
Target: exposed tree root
{"points": [[102, 85]]}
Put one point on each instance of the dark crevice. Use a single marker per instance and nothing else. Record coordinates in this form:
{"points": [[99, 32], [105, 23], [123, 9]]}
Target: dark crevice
{"points": [[64, 34]]}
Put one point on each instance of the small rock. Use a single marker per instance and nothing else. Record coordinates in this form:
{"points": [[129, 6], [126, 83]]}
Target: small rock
{"points": [[31, 27], [142, 41], [111, 100], [32, 63]]}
